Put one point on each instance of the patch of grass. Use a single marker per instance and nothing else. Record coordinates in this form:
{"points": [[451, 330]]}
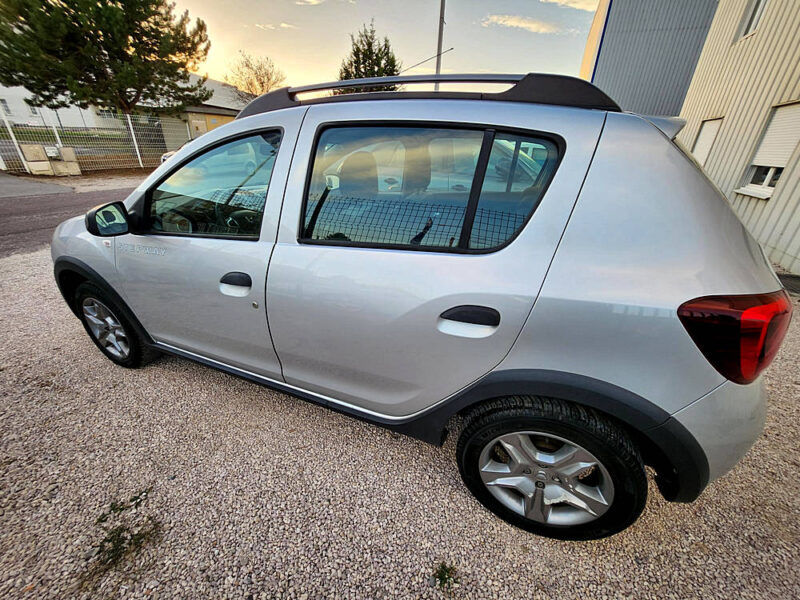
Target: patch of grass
{"points": [[445, 576], [122, 540], [124, 533], [118, 507]]}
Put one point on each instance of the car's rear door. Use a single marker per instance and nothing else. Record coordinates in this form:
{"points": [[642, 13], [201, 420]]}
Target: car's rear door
{"points": [[379, 296], [196, 271]]}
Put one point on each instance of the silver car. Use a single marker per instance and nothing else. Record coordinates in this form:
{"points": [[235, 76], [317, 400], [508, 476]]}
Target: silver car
{"points": [[552, 276]]}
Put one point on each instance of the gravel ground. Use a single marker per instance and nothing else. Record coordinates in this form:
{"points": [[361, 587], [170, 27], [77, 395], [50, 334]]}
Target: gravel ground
{"points": [[257, 494]]}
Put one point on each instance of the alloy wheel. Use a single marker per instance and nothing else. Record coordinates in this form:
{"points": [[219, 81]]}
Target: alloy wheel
{"points": [[106, 328], [546, 478]]}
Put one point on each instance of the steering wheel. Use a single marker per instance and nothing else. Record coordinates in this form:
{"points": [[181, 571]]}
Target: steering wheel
{"points": [[244, 220], [175, 221]]}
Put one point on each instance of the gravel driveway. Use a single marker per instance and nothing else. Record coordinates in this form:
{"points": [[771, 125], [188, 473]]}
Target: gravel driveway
{"points": [[238, 491]]}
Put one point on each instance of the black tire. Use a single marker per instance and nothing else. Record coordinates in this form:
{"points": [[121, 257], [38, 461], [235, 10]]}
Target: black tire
{"points": [[139, 352], [584, 427]]}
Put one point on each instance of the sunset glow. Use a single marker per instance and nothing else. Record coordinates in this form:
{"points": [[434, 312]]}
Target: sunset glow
{"points": [[308, 39]]}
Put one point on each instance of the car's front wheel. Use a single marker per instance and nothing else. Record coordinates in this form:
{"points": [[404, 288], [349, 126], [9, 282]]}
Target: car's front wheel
{"points": [[552, 468], [109, 329]]}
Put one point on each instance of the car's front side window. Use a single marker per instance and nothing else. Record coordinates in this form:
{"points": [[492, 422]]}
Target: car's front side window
{"points": [[220, 193], [410, 186]]}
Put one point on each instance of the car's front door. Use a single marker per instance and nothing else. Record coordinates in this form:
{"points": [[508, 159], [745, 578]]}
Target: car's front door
{"points": [[196, 272], [380, 295]]}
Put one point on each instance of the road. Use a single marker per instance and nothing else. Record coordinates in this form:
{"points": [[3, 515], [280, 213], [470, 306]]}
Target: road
{"points": [[27, 222]]}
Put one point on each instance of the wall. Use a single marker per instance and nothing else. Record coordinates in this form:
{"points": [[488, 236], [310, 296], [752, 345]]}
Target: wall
{"points": [[648, 52], [741, 80]]}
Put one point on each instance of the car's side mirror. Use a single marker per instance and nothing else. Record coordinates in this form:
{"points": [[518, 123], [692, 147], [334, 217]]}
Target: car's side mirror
{"points": [[108, 220]]}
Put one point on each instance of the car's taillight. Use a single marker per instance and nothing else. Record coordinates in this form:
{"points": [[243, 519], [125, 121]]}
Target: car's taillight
{"points": [[739, 335]]}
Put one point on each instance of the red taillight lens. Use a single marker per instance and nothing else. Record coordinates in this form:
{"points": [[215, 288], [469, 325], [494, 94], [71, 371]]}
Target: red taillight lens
{"points": [[739, 335]]}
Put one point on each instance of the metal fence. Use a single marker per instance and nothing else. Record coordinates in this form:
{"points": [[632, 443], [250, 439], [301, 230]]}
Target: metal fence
{"points": [[121, 142]]}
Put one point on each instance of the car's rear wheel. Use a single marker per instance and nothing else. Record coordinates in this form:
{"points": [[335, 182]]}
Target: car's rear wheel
{"points": [[552, 468], [109, 329]]}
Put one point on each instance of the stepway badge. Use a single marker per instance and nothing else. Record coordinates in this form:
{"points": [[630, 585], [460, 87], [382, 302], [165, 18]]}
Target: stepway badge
{"points": [[140, 249]]}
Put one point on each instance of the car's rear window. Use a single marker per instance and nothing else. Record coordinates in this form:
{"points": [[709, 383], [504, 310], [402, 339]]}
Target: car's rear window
{"points": [[424, 187]]}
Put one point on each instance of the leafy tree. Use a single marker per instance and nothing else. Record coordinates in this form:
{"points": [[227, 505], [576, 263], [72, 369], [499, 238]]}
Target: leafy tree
{"points": [[369, 57], [253, 76], [110, 53]]}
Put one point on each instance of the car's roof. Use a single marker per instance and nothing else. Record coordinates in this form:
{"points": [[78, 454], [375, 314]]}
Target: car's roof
{"points": [[536, 88]]}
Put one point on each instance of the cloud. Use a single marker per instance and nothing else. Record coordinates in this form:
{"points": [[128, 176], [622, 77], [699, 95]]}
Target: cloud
{"points": [[272, 27], [308, 2], [527, 23], [587, 5]]}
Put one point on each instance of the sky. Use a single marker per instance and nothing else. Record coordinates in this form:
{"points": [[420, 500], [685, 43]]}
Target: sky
{"points": [[308, 39]]}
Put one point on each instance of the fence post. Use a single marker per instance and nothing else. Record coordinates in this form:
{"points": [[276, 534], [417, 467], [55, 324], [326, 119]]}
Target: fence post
{"points": [[133, 137], [58, 137], [16, 144]]}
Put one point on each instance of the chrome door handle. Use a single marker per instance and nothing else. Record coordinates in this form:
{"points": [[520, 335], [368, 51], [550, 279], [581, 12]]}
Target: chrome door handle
{"points": [[476, 315], [237, 278]]}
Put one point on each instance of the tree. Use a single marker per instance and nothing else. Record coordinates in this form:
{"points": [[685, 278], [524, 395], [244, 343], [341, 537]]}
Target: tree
{"points": [[103, 52], [253, 76], [369, 57]]}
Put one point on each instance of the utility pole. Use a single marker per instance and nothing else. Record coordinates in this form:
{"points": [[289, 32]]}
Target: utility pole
{"points": [[439, 45]]}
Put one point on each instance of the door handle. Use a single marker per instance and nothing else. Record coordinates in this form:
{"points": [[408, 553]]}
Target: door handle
{"points": [[475, 315], [237, 278]]}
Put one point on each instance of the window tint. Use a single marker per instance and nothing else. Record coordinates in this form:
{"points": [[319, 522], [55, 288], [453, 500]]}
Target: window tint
{"points": [[391, 186], [518, 170], [411, 186], [220, 193]]}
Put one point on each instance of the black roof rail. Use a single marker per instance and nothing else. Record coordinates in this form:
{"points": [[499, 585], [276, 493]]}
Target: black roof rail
{"points": [[537, 88]]}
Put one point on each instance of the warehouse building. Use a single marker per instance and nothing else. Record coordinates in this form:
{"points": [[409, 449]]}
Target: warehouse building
{"points": [[742, 113], [642, 53]]}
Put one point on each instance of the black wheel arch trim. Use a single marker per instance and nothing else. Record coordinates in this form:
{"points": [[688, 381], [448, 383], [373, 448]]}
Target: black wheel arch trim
{"points": [[74, 265], [680, 463]]}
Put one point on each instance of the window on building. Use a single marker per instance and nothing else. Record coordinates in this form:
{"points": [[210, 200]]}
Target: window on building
{"points": [[755, 11], [412, 187], [4, 106], [221, 193], [705, 140], [777, 145]]}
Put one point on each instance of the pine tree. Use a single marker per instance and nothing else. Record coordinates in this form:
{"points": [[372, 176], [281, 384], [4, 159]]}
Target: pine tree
{"points": [[102, 52], [369, 57]]}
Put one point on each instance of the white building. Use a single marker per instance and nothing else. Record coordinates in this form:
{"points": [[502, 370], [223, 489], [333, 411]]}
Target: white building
{"points": [[221, 108], [17, 111]]}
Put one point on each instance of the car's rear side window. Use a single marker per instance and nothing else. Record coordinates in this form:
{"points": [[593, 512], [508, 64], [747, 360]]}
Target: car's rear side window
{"points": [[423, 187], [518, 170]]}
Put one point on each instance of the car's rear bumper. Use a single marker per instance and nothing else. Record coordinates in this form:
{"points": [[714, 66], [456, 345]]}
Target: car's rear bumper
{"points": [[726, 422]]}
